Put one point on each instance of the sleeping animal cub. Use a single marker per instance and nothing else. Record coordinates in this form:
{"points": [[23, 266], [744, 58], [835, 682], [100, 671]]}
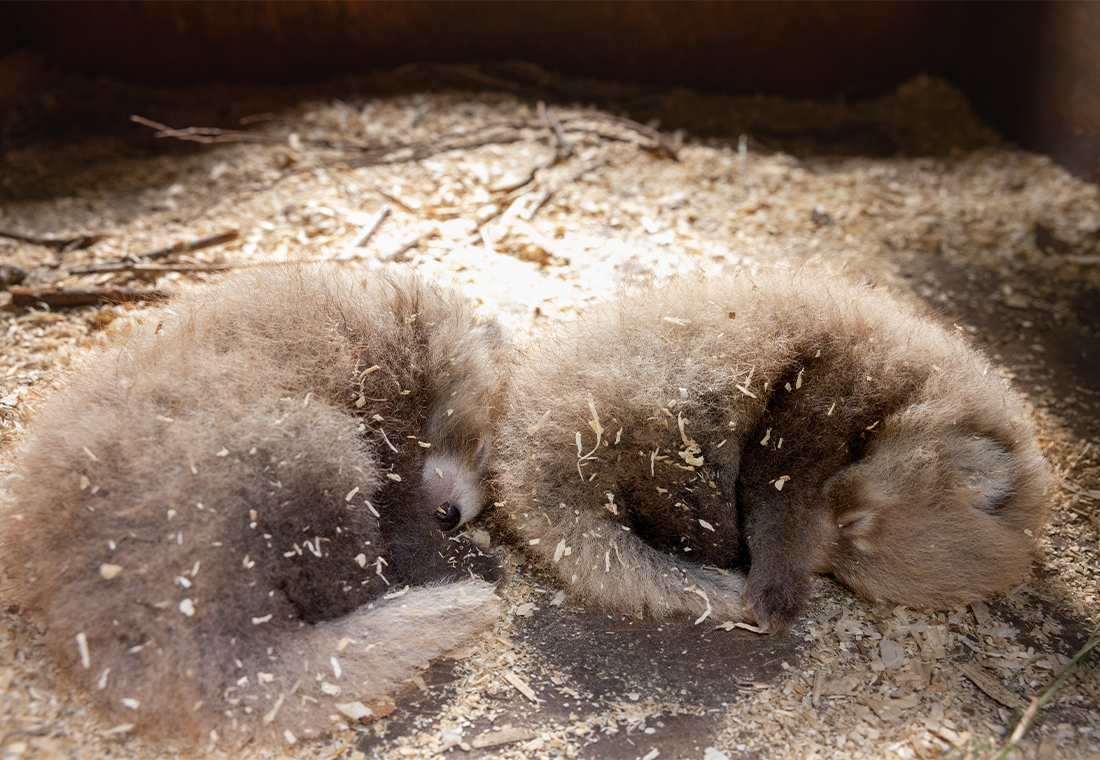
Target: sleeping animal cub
{"points": [[787, 425], [229, 522]]}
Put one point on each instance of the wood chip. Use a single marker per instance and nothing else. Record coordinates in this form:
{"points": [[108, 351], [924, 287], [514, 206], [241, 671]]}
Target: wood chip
{"points": [[729, 625], [505, 736], [893, 656], [890, 710], [523, 688], [269, 716], [82, 647], [985, 681], [355, 710]]}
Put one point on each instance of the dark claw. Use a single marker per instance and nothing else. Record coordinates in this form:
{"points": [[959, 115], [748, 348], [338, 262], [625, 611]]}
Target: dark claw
{"points": [[448, 516]]}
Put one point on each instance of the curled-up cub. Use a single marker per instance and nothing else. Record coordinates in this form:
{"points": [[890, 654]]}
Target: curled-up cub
{"points": [[228, 522], [792, 425]]}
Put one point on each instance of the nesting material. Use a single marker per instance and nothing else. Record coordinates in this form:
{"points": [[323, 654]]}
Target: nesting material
{"points": [[830, 430], [895, 220], [223, 560]]}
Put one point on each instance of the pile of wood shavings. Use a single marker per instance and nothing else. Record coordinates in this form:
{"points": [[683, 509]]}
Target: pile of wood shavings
{"points": [[867, 682]]}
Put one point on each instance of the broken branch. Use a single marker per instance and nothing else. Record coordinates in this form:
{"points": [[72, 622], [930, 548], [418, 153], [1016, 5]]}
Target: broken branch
{"points": [[365, 234], [127, 263], [660, 144], [60, 298], [207, 135], [564, 147], [61, 244]]}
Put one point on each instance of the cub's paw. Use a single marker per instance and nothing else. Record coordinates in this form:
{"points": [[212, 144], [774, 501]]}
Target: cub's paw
{"points": [[774, 601]]}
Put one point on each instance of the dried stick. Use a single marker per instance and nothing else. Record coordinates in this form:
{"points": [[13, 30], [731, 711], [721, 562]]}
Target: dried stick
{"points": [[207, 135], [191, 245], [541, 197], [659, 142], [565, 148], [400, 154], [1037, 703], [524, 206], [365, 234], [413, 241], [126, 263], [139, 269], [61, 244], [395, 153], [59, 298]]}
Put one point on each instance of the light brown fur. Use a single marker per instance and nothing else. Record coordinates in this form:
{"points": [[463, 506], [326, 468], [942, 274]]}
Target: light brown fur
{"points": [[826, 429], [217, 505]]}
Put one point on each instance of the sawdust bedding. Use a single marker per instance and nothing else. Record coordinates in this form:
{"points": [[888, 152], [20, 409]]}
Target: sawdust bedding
{"points": [[534, 242]]}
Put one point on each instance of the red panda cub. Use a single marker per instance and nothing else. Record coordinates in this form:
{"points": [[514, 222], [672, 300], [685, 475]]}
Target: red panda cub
{"points": [[229, 522], [707, 447]]}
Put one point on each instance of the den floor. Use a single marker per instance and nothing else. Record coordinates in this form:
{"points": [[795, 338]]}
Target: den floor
{"points": [[536, 214]]}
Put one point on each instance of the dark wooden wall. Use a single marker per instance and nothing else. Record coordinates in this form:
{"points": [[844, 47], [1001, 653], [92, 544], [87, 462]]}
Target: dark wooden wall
{"points": [[1032, 69]]}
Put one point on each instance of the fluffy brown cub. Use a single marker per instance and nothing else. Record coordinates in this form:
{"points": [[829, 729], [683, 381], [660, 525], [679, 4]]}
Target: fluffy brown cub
{"points": [[227, 521], [791, 424]]}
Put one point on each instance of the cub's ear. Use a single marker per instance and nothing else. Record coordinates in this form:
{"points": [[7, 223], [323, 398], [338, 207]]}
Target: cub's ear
{"points": [[484, 449], [982, 469], [854, 509], [492, 333]]}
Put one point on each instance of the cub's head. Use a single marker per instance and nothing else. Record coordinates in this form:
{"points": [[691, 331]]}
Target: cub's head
{"points": [[936, 515], [454, 486]]}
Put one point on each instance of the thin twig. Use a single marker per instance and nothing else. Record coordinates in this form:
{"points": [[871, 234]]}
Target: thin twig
{"points": [[190, 245], [524, 207], [564, 147], [58, 298], [395, 153], [401, 154], [207, 135], [215, 135], [1079, 457], [1088, 515], [139, 269], [61, 244], [368, 230], [414, 241], [659, 141], [532, 209], [1037, 703], [126, 263]]}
